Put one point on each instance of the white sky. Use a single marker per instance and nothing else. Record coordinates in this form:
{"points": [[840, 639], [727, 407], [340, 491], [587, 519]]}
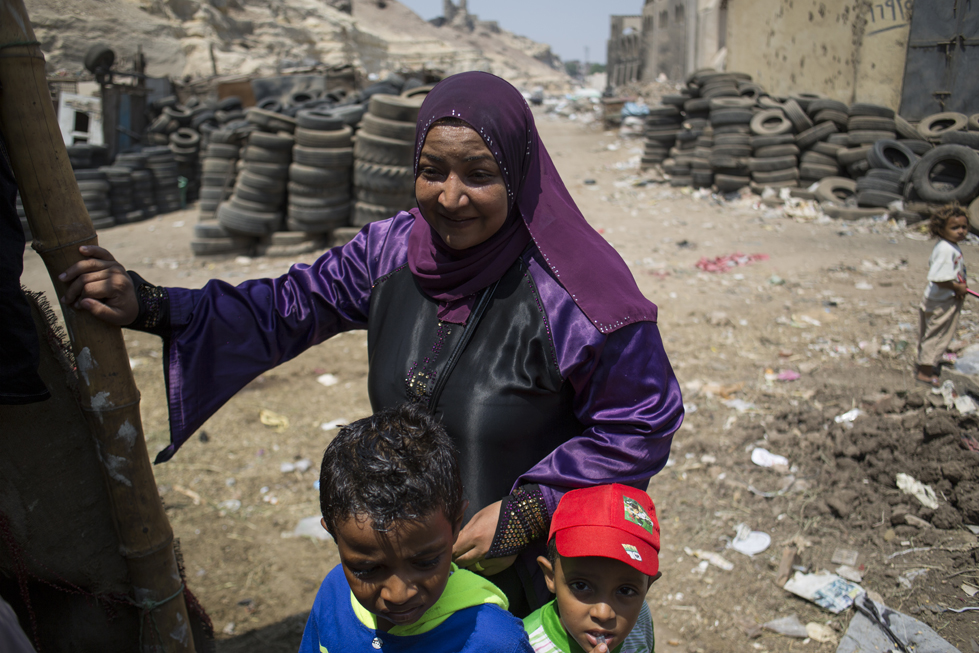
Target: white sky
{"points": [[568, 26]]}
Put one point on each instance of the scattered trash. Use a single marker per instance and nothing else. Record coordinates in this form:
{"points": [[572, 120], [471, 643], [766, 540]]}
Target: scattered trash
{"points": [[863, 285], [739, 405], [337, 423], [968, 360], [725, 263], [765, 458], [298, 466], [309, 527], [193, 496], [589, 182], [849, 416], [789, 375], [750, 542], [776, 280], [965, 405], [969, 589], [852, 574], [327, 380], [917, 522], [826, 590], [789, 626], [820, 632], [715, 559], [204, 437], [923, 493], [229, 628], [230, 482], [947, 391], [876, 627], [845, 557], [907, 578], [279, 422], [231, 505], [790, 559]]}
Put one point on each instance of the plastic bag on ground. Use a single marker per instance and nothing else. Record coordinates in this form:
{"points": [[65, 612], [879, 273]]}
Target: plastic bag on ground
{"points": [[867, 634]]}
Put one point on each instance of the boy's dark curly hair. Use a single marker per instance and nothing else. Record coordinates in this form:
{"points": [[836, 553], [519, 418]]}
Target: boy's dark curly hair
{"points": [[942, 215], [398, 464]]}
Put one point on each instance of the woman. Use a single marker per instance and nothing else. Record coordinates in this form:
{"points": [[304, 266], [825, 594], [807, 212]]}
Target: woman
{"points": [[494, 303]]}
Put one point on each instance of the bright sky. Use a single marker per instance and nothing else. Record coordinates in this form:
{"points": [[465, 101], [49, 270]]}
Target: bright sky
{"points": [[568, 26]]}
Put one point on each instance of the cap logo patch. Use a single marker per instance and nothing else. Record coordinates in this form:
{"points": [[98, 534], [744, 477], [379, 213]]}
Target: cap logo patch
{"points": [[632, 552], [635, 513]]}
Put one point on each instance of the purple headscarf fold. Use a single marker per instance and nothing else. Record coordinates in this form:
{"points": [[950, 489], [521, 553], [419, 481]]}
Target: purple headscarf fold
{"points": [[540, 208]]}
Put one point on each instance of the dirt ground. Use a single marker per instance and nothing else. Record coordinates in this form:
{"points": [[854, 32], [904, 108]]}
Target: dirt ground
{"points": [[834, 302]]}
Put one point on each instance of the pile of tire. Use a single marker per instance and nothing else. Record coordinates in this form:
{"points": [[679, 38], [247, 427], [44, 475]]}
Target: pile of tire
{"points": [[122, 203], [384, 182], [144, 196], [319, 177], [94, 188], [682, 155], [83, 156], [255, 207], [662, 125], [160, 162], [218, 171], [185, 144]]}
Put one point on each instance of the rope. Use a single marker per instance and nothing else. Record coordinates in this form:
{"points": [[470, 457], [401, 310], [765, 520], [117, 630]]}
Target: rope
{"points": [[147, 608], [16, 44]]}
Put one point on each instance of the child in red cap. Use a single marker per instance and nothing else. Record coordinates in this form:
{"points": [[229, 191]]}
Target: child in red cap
{"points": [[603, 554]]}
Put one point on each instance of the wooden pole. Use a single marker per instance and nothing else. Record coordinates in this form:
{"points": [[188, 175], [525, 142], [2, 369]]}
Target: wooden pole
{"points": [[110, 400]]}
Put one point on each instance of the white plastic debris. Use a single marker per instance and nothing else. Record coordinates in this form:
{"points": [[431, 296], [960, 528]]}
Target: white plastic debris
{"points": [[765, 458], [789, 626], [311, 527], [231, 505], [327, 380], [750, 542], [820, 632], [852, 574], [715, 559], [848, 416], [920, 491], [965, 405], [739, 405], [826, 590]]}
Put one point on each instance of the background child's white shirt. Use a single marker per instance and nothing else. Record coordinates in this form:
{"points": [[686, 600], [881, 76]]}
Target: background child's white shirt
{"points": [[946, 264]]}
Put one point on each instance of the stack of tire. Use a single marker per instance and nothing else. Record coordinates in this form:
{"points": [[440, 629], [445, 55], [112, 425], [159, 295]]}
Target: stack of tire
{"points": [[144, 196], [185, 144], [83, 156], [160, 161], [774, 158], [94, 188], [730, 118], [680, 164], [662, 126], [255, 207], [701, 173], [319, 177], [949, 172], [122, 203], [384, 181], [218, 171]]}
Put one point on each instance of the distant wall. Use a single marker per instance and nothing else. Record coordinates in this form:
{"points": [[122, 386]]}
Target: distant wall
{"points": [[849, 50]]}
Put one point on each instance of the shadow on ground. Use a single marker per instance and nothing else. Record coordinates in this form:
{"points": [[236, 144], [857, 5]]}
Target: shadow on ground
{"points": [[281, 637]]}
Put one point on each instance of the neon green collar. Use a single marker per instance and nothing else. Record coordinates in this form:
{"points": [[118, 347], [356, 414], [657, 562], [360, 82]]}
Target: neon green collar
{"points": [[463, 590], [554, 629]]}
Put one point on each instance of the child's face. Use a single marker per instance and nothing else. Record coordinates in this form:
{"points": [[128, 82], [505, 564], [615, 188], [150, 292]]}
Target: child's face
{"points": [[400, 573], [955, 229], [596, 596]]}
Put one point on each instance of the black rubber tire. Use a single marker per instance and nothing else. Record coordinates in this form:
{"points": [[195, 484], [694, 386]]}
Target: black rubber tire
{"points": [[790, 174], [383, 178], [871, 123], [835, 189], [891, 155], [838, 118], [917, 146], [758, 142], [211, 229], [872, 183], [378, 198], [888, 175], [815, 134], [973, 212], [730, 183], [318, 119], [818, 171], [222, 151], [217, 166], [261, 182], [876, 198], [853, 154], [865, 137], [323, 157], [272, 142], [839, 139], [722, 103], [825, 104], [185, 137], [337, 186], [858, 168], [94, 185], [325, 177], [762, 123], [364, 213], [270, 170], [904, 128], [732, 139], [321, 201], [90, 174], [731, 150], [730, 117], [395, 107], [963, 192], [385, 151], [867, 109], [318, 220], [794, 113], [262, 155], [405, 131], [932, 127], [789, 149], [323, 138], [969, 139], [696, 106], [816, 158], [247, 223], [826, 148], [772, 164], [98, 57]]}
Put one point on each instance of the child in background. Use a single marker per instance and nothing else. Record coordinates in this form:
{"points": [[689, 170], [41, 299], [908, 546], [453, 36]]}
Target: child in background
{"points": [[391, 497], [602, 556], [938, 315]]}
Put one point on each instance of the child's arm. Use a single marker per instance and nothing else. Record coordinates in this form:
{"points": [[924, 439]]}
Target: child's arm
{"points": [[959, 287]]}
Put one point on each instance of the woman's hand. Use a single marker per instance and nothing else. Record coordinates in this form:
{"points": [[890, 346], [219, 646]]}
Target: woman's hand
{"points": [[475, 540], [99, 284]]}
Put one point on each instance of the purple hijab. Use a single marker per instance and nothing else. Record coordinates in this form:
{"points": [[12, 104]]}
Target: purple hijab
{"points": [[540, 208]]}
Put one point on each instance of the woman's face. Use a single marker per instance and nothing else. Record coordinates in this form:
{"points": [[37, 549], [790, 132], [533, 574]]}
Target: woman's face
{"points": [[460, 189]]}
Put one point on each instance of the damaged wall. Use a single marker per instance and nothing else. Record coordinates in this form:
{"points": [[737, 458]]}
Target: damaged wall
{"points": [[849, 50]]}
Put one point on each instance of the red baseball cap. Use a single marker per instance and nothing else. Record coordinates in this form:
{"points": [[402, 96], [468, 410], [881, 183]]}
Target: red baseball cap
{"points": [[608, 521]]}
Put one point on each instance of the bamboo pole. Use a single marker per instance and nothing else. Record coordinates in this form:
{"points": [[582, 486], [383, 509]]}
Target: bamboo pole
{"points": [[60, 224]]}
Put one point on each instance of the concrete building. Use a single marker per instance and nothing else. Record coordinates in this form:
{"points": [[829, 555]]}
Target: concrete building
{"points": [[623, 61], [680, 36]]}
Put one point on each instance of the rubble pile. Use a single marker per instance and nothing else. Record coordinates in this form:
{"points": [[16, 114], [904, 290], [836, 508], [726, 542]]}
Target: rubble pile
{"points": [[724, 131]]}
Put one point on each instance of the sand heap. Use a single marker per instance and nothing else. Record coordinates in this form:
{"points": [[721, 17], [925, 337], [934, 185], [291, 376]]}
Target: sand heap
{"points": [[265, 36]]}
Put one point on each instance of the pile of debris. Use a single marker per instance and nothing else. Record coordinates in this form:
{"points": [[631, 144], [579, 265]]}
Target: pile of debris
{"points": [[724, 131]]}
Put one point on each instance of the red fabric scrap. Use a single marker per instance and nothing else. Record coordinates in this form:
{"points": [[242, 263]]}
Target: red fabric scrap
{"points": [[725, 263]]}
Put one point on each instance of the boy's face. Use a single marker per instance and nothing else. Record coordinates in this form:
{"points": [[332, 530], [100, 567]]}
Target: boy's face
{"points": [[596, 596], [400, 573], [956, 229]]}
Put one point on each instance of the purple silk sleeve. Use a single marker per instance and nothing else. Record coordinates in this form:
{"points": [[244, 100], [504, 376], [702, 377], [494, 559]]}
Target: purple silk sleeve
{"points": [[626, 396], [223, 336]]}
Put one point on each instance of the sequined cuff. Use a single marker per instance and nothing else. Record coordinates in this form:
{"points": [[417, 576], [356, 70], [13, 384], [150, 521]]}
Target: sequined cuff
{"points": [[154, 306], [523, 519]]}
